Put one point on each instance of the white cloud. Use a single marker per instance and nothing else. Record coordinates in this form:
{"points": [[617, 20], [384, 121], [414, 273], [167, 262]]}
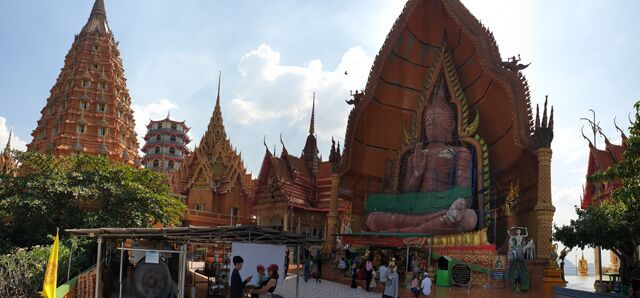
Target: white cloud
{"points": [[564, 199], [16, 142], [153, 111], [271, 90]]}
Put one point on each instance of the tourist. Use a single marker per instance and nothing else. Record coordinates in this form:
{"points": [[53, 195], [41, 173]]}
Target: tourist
{"points": [[391, 287], [237, 284], [426, 285], [319, 266], [415, 285], [342, 266], [307, 268], [270, 286], [369, 271], [383, 271], [286, 262], [259, 280], [354, 273]]}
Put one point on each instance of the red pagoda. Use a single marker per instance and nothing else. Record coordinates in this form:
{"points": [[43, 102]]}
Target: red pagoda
{"points": [[89, 108]]}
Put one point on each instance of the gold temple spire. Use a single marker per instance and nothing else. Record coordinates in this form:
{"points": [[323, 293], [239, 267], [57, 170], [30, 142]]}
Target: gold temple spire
{"points": [[218, 97], [313, 108]]}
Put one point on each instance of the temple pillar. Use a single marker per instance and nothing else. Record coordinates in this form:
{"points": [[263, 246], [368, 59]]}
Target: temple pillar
{"points": [[597, 255], [544, 209], [285, 220], [614, 262], [332, 217]]}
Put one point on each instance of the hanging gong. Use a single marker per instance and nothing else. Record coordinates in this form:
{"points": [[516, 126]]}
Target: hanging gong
{"points": [[152, 280]]}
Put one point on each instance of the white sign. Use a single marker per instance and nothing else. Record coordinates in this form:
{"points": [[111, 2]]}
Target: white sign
{"points": [[151, 257], [257, 254]]}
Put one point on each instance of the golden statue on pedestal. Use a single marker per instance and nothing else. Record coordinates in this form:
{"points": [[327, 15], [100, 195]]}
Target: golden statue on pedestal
{"points": [[582, 266]]}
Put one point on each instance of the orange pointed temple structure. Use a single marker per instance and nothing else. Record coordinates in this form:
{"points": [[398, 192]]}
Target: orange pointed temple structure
{"points": [[443, 131], [89, 108], [214, 179]]}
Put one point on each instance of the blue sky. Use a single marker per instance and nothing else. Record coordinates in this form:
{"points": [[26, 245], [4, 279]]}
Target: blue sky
{"points": [[274, 54]]}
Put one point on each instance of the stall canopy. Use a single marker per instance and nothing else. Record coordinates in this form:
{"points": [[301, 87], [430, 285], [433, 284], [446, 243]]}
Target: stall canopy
{"points": [[203, 235]]}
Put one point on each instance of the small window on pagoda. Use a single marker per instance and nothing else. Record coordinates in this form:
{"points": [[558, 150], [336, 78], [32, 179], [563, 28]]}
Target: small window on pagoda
{"points": [[158, 137], [64, 106], [173, 138], [56, 130], [171, 164], [101, 107], [84, 105], [172, 150], [159, 125], [81, 128], [94, 66], [199, 207], [174, 126], [156, 163], [102, 131], [121, 137], [85, 83], [118, 113], [95, 47], [157, 150], [101, 85]]}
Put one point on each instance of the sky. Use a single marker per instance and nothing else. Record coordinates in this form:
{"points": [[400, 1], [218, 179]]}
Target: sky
{"points": [[274, 54]]}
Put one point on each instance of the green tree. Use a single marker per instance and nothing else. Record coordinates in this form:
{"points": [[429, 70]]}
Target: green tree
{"points": [[80, 192], [615, 224]]}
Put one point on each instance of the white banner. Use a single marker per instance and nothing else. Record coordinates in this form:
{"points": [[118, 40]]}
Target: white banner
{"points": [[258, 254]]}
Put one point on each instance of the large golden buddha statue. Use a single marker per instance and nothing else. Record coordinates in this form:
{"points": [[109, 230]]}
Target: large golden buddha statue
{"points": [[436, 181]]}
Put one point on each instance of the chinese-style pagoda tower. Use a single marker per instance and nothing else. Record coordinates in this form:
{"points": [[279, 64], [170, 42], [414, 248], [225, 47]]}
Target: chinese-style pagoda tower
{"points": [[214, 179], [89, 108], [166, 145]]}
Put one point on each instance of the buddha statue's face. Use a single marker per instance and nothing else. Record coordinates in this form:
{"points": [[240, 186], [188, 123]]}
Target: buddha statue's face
{"points": [[438, 120]]}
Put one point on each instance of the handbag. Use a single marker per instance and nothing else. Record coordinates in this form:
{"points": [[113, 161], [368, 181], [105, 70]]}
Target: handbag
{"points": [[373, 283]]}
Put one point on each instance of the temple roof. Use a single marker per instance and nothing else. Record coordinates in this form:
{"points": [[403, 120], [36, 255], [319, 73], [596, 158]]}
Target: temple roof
{"points": [[97, 20], [403, 70], [213, 161], [601, 160]]}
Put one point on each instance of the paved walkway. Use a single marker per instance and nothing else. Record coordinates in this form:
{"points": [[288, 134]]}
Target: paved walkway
{"points": [[324, 289]]}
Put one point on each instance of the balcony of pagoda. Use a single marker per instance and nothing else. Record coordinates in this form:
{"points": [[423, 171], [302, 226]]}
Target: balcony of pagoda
{"points": [[164, 155], [168, 130], [196, 217], [168, 142]]}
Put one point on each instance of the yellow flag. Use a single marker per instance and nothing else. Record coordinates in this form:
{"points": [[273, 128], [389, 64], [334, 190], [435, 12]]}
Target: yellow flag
{"points": [[51, 276]]}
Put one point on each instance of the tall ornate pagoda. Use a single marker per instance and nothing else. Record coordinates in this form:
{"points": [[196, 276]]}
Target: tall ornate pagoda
{"points": [[442, 131], [294, 193], [213, 179], [8, 165], [89, 108], [166, 145]]}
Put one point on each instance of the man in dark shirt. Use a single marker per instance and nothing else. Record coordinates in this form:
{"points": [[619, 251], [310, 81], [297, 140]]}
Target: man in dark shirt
{"points": [[236, 281]]}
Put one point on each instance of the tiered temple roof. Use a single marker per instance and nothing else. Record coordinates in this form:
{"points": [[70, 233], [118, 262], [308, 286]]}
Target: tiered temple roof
{"points": [[301, 182], [89, 107], [214, 163], [601, 160]]}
